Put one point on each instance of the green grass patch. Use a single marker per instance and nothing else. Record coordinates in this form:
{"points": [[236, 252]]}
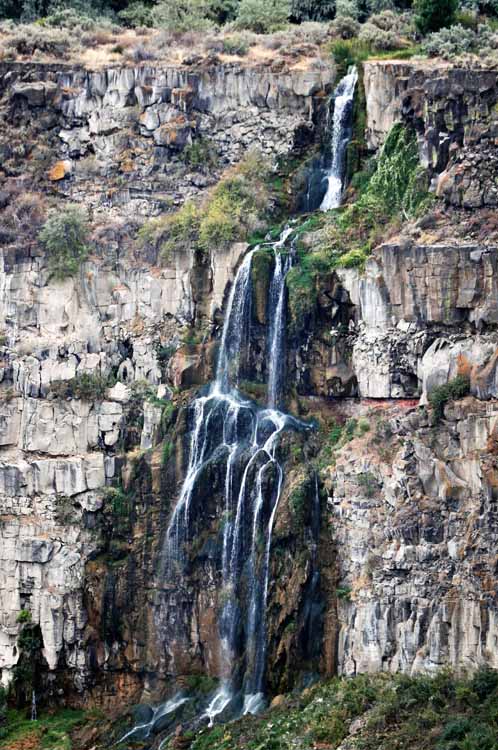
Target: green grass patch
{"points": [[52, 730]]}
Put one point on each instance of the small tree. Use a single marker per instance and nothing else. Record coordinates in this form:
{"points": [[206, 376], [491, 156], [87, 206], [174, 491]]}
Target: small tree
{"points": [[263, 16], [432, 15], [312, 10], [181, 16], [64, 236]]}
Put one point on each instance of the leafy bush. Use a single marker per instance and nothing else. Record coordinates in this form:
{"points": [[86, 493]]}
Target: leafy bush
{"points": [[263, 16], [237, 44], [457, 40], [345, 27], [182, 15], [30, 39], [310, 10], [136, 14], [87, 387], [457, 388], [347, 8], [65, 236], [70, 18], [432, 15], [378, 38], [24, 616], [232, 211], [200, 154]]}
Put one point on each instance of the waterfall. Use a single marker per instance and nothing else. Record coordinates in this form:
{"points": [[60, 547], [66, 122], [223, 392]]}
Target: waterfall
{"points": [[341, 135], [232, 432]]}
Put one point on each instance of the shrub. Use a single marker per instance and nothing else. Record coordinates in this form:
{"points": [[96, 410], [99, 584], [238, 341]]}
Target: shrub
{"points": [[175, 232], [346, 27], [484, 683], [432, 15], [347, 8], [232, 211], [23, 616], [378, 38], [182, 15], [310, 10], [26, 40], [200, 154], [70, 18], [237, 44], [136, 14], [87, 387], [457, 40], [457, 388], [349, 52], [65, 236], [263, 16]]}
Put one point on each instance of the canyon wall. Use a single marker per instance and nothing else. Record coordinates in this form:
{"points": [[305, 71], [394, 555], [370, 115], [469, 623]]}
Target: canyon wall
{"points": [[408, 510]]}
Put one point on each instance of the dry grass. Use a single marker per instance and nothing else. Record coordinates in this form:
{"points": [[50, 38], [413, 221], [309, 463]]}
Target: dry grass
{"points": [[298, 48]]}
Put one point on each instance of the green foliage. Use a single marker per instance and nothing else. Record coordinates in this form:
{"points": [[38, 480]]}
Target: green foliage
{"points": [[180, 16], [368, 483], [174, 232], [51, 730], [236, 44], [432, 15], [397, 712], [236, 207], [136, 14], [312, 10], [263, 16], [455, 389], [117, 500], [167, 452], [87, 386], [201, 154], [65, 238], [343, 592], [457, 40], [297, 502], [335, 434], [24, 616], [347, 52]]}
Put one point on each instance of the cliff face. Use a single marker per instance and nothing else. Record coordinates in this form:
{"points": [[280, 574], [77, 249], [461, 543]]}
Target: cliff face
{"points": [[404, 551]]}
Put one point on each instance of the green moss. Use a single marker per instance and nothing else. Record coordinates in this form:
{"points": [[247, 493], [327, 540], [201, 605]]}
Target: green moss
{"points": [[167, 452]]}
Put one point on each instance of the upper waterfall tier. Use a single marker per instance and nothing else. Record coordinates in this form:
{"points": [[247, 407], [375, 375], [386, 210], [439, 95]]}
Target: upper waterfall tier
{"points": [[341, 135]]}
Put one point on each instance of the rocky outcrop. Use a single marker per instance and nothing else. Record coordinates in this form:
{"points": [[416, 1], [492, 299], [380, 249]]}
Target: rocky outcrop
{"points": [[114, 139], [412, 512], [416, 307], [453, 111]]}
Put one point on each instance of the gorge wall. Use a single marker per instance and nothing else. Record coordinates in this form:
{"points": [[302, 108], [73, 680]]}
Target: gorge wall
{"points": [[408, 508]]}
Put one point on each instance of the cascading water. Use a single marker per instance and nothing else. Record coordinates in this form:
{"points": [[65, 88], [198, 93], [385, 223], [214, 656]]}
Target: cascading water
{"points": [[233, 432], [341, 135]]}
